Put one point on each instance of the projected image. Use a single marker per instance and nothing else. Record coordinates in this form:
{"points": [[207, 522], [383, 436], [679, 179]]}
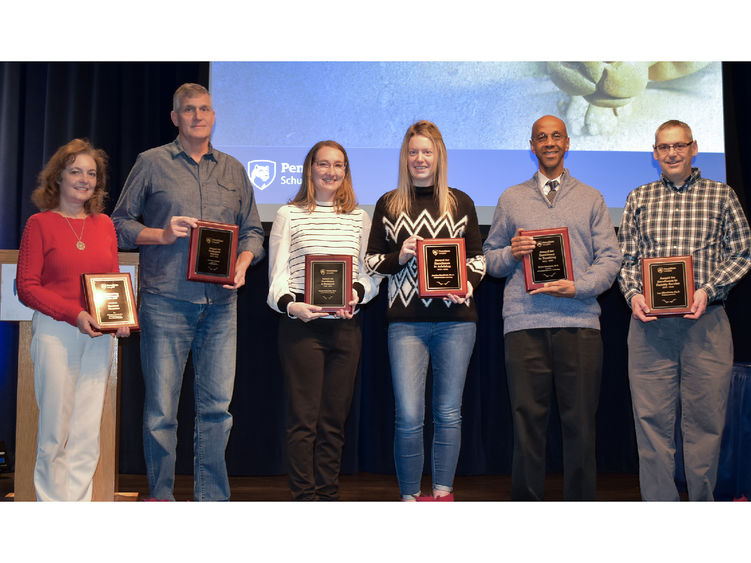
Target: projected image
{"points": [[269, 114], [612, 101]]}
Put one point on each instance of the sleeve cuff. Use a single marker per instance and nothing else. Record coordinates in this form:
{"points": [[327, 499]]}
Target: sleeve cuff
{"points": [[711, 293], [474, 278], [629, 295], [284, 302], [360, 289]]}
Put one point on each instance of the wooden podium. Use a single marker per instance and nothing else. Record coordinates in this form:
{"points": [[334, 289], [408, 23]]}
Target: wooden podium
{"points": [[106, 475]]}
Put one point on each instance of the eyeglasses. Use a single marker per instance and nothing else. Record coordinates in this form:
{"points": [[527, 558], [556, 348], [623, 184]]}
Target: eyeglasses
{"points": [[326, 165], [679, 147]]}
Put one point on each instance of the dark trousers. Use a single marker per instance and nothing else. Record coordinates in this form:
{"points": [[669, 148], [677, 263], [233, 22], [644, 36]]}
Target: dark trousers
{"points": [[319, 360], [567, 361]]}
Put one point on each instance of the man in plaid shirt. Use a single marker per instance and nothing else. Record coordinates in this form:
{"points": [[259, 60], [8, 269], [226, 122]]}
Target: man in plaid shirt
{"points": [[690, 357]]}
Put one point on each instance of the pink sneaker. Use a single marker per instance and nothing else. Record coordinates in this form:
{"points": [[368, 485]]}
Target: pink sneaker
{"points": [[429, 498]]}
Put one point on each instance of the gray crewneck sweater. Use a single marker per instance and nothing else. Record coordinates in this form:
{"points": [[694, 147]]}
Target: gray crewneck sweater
{"points": [[594, 249]]}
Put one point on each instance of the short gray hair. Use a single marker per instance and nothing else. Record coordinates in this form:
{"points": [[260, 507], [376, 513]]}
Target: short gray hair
{"points": [[187, 90], [674, 123]]}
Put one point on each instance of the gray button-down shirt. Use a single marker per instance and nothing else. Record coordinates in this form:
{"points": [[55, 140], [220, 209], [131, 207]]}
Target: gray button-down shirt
{"points": [[165, 182]]}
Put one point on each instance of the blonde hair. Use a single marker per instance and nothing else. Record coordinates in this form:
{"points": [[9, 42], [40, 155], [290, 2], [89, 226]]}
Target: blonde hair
{"points": [[47, 194], [400, 200], [344, 199]]}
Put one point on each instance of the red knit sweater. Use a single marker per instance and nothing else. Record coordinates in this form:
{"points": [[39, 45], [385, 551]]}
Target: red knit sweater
{"points": [[50, 265]]}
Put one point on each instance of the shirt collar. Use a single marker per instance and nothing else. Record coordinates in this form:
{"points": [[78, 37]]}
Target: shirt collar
{"points": [[177, 148], [542, 179], [688, 184]]}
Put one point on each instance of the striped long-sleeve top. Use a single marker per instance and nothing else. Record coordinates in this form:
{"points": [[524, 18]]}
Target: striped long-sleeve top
{"points": [[297, 232]]}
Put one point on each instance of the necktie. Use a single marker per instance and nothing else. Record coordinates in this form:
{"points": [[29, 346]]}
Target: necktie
{"points": [[553, 185]]}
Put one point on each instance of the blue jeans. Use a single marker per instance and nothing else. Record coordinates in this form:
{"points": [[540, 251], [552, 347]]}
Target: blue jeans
{"points": [[170, 329], [411, 344]]}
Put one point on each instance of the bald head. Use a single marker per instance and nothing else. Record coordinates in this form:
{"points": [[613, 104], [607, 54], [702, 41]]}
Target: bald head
{"points": [[549, 142], [549, 120]]}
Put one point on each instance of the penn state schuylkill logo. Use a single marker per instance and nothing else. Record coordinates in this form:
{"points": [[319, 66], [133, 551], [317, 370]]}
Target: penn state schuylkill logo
{"points": [[262, 173]]}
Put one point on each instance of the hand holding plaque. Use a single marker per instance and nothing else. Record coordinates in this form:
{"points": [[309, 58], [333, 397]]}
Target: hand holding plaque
{"points": [[550, 260], [213, 253], [441, 267], [110, 300], [668, 285], [328, 281]]}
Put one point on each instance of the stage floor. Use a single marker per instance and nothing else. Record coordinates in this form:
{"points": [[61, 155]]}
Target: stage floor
{"points": [[374, 487]]}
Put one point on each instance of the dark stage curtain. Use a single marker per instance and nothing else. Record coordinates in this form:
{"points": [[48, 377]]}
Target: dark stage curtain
{"points": [[736, 85], [124, 108]]}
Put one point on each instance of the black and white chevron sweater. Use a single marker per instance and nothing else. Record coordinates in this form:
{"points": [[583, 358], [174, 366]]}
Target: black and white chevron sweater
{"points": [[386, 237]]}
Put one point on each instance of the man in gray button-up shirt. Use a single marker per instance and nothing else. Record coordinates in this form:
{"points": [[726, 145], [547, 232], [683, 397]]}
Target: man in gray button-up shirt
{"points": [[168, 189]]}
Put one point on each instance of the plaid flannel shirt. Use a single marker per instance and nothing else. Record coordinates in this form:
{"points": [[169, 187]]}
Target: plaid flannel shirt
{"points": [[702, 218]]}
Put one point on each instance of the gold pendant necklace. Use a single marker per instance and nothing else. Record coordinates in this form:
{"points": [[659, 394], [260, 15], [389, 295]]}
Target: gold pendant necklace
{"points": [[80, 245]]}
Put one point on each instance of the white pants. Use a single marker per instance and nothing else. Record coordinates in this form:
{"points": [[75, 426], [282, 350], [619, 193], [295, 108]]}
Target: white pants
{"points": [[70, 380]]}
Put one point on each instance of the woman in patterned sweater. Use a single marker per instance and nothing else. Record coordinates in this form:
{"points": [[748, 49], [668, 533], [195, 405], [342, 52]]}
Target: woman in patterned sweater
{"points": [[319, 351], [422, 329]]}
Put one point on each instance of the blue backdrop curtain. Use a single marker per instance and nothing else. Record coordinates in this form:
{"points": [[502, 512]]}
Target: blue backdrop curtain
{"points": [[124, 108]]}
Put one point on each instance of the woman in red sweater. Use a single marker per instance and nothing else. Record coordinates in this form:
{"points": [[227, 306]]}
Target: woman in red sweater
{"points": [[71, 356]]}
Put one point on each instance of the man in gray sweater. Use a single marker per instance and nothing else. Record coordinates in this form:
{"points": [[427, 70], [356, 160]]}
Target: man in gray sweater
{"points": [[552, 333]]}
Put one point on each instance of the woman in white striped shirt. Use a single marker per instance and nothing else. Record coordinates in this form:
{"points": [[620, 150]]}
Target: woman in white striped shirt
{"points": [[319, 351]]}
